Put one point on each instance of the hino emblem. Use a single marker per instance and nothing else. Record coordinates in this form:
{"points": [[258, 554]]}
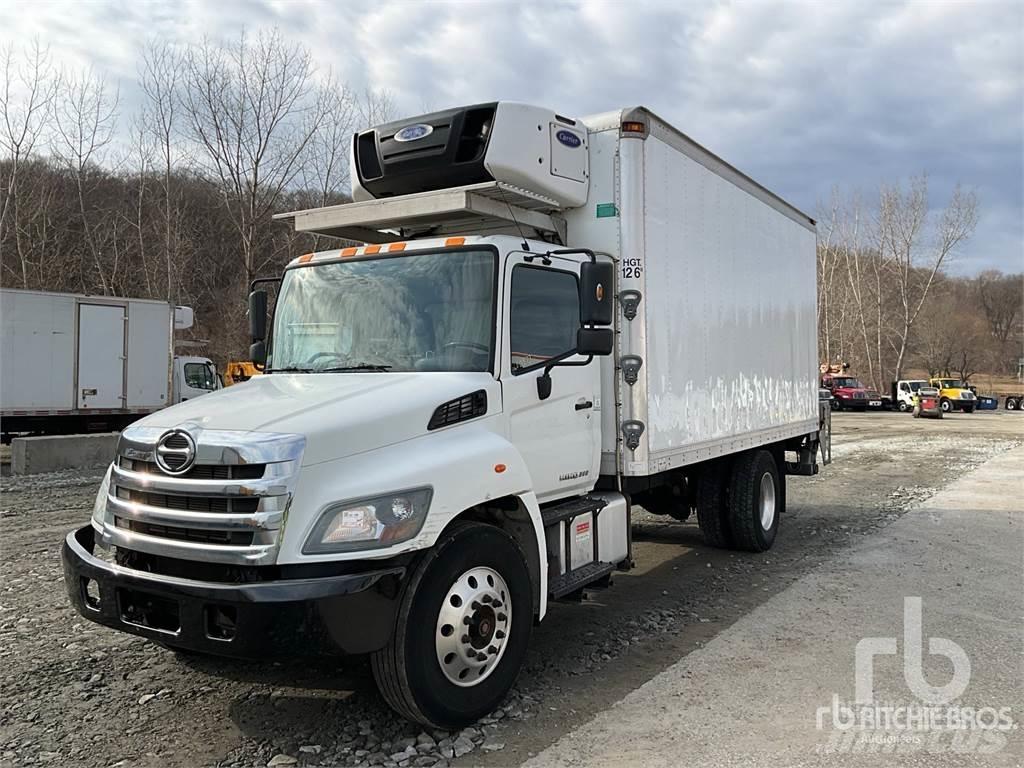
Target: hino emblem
{"points": [[175, 452], [414, 132]]}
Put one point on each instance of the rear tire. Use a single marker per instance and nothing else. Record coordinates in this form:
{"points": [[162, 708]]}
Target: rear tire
{"points": [[756, 498], [968, 409], [1011, 403], [712, 504], [447, 612]]}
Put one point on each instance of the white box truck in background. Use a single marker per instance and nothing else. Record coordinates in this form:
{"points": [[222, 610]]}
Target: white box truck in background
{"points": [[551, 320], [72, 363]]}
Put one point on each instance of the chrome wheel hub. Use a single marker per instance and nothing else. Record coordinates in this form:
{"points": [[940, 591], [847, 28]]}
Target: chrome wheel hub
{"points": [[766, 500], [473, 626]]}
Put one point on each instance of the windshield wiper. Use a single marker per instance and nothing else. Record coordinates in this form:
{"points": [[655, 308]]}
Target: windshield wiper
{"points": [[356, 367], [289, 369]]}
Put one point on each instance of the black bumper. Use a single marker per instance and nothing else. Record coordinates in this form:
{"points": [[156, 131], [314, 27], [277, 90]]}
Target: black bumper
{"points": [[331, 615]]}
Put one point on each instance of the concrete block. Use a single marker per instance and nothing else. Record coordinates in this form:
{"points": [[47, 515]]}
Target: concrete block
{"points": [[49, 453]]}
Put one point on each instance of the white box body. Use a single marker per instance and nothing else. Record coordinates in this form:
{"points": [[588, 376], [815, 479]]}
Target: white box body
{"points": [[64, 353], [726, 326]]}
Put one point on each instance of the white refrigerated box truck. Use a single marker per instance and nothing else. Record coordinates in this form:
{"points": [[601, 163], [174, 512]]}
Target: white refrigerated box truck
{"points": [[71, 363], [550, 321]]}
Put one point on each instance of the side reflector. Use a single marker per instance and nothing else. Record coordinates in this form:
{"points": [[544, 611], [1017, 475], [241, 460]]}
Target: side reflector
{"points": [[396, 247], [453, 241], [499, 468]]}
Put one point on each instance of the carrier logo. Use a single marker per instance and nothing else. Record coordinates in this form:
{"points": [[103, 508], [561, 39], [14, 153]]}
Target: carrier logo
{"points": [[414, 132], [175, 452], [569, 139]]}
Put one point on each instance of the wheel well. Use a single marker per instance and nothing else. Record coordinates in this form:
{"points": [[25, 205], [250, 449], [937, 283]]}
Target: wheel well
{"points": [[510, 515]]}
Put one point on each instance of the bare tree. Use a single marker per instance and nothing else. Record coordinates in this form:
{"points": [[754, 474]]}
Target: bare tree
{"points": [[913, 258], [1001, 298], [26, 99], [252, 111], [160, 76], [84, 121]]}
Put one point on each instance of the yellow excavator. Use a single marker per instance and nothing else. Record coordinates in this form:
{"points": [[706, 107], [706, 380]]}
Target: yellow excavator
{"points": [[238, 371]]}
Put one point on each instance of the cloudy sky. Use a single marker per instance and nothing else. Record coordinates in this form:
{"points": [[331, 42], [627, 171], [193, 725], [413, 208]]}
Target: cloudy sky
{"points": [[803, 96]]}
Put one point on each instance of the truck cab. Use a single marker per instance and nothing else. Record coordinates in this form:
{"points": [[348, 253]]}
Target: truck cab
{"points": [[903, 392], [192, 377], [847, 392], [954, 395]]}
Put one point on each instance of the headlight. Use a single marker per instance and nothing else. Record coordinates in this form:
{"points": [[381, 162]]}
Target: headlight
{"points": [[843, 394], [373, 523], [99, 508]]}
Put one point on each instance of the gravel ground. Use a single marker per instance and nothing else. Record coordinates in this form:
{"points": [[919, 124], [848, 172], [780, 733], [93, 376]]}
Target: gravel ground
{"points": [[74, 693]]}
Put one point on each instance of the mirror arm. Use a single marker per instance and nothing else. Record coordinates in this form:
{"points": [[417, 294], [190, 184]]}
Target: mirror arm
{"points": [[544, 380]]}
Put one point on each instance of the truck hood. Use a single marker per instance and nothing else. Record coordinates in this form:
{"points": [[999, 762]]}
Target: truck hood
{"points": [[340, 414]]}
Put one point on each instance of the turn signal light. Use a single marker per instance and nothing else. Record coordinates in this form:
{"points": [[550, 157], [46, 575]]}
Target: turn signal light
{"points": [[633, 126]]}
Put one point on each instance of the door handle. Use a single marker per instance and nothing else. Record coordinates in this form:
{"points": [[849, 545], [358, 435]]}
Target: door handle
{"points": [[582, 405]]}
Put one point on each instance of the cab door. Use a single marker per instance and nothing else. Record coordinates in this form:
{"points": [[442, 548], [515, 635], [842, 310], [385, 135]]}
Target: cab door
{"points": [[559, 436]]}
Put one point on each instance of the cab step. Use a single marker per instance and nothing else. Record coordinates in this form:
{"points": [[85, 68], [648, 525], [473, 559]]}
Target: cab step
{"points": [[570, 509], [578, 578]]}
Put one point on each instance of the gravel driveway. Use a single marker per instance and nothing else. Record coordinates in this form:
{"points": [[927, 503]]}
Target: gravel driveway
{"points": [[74, 693]]}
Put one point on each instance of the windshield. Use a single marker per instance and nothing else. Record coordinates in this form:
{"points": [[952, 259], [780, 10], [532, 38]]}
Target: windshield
{"points": [[846, 381], [416, 312], [952, 384]]}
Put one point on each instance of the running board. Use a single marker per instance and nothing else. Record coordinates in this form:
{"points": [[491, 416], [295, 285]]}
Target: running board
{"points": [[570, 509], [575, 580]]}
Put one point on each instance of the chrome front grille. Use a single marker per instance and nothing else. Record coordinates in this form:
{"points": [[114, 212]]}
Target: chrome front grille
{"points": [[228, 507]]}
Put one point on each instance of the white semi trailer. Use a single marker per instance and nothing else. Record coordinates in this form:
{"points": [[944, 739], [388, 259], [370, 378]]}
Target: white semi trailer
{"points": [[551, 320], [71, 363]]}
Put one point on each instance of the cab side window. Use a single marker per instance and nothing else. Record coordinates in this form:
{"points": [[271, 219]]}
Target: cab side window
{"points": [[199, 376], [544, 316]]}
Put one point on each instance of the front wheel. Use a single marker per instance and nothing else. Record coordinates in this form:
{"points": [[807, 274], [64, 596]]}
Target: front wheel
{"points": [[756, 499], [904, 408], [946, 405], [462, 630]]}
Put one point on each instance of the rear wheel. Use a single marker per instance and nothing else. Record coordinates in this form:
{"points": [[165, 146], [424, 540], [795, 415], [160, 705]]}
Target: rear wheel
{"points": [[968, 409], [712, 504], [462, 629], [756, 499], [1011, 403]]}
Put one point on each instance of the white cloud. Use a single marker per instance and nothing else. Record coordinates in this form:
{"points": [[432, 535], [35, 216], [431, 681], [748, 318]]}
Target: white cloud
{"points": [[801, 95]]}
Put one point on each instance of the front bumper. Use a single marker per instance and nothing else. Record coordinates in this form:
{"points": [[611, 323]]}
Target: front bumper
{"points": [[345, 614]]}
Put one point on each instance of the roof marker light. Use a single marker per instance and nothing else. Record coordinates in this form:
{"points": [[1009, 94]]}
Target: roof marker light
{"points": [[349, 251], [372, 249], [304, 258], [453, 241], [396, 247]]}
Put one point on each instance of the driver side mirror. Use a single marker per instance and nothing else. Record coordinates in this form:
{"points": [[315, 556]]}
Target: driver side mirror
{"points": [[594, 341], [258, 315], [597, 279], [258, 327]]}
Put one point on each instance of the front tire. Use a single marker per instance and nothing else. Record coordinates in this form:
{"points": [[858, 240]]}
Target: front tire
{"points": [[462, 630], [904, 407], [756, 499], [946, 405]]}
